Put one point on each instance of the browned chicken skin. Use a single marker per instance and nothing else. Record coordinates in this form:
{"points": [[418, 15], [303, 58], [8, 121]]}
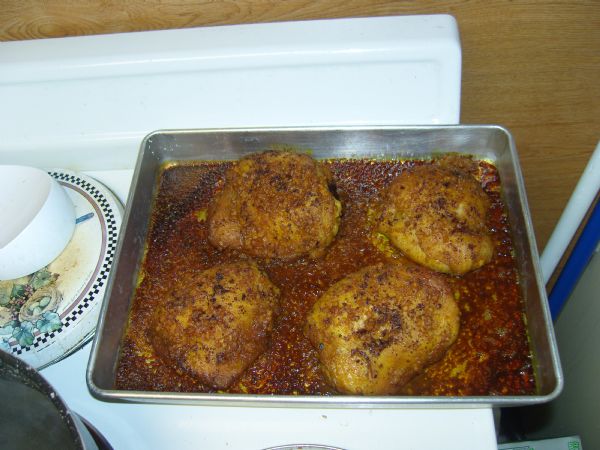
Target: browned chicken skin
{"points": [[377, 328], [214, 326], [436, 215], [275, 205]]}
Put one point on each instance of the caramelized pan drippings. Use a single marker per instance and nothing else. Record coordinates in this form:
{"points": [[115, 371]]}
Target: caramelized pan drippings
{"points": [[491, 355]]}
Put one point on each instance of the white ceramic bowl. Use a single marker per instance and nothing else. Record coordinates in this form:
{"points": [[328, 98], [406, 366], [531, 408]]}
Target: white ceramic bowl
{"points": [[37, 220]]}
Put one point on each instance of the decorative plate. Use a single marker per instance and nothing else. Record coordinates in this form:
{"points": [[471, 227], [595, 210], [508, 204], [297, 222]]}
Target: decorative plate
{"points": [[51, 313]]}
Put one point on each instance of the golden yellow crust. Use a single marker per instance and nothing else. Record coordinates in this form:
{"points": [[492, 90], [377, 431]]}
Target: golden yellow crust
{"points": [[436, 215], [275, 205], [215, 325], [377, 328]]}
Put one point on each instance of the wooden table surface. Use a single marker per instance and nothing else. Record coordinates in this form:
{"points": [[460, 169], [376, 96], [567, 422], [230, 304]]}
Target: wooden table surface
{"points": [[532, 66]]}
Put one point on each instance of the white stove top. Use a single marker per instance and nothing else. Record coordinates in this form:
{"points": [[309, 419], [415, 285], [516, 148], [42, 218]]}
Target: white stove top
{"points": [[86, 103], [134, 426]]}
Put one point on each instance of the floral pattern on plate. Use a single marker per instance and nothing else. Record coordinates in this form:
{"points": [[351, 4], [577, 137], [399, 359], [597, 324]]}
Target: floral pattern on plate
{"points": [[48, 315]]}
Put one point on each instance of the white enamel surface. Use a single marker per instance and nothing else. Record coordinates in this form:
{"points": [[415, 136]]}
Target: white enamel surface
{"points": [[37, 220], [85, 104], [137, 426], [92, 99]]}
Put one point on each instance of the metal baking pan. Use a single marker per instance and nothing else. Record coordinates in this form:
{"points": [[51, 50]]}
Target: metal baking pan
{"points": [[490, 142]]}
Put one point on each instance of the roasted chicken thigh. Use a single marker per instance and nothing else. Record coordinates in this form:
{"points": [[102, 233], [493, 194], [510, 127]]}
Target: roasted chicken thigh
{"points": [[378, 327], [436, 215], [275, 204], [215, 325]]}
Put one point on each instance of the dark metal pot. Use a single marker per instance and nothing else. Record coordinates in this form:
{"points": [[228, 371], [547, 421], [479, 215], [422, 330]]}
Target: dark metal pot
{"points": [[32, 415]]}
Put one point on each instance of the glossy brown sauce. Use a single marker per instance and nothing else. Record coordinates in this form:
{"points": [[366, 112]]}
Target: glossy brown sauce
{"points": [[490, 357]]}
